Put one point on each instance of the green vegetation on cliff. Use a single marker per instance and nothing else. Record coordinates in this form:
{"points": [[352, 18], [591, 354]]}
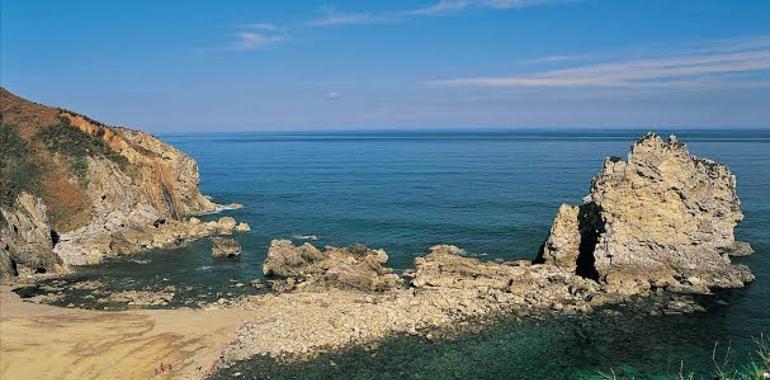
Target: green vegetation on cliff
{"points": [[76, 146], [17, 171]]}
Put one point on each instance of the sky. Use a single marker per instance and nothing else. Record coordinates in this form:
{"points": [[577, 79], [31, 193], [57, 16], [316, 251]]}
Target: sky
{"points": [[237, 65]]}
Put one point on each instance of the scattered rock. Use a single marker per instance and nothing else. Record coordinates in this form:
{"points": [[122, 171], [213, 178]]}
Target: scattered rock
{"points": [[160, 297], [354, 267]]}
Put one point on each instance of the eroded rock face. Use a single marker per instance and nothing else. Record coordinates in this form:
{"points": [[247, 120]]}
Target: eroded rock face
{"points": [[355, 267], [663, 218], [26, 240], [225, 246]]}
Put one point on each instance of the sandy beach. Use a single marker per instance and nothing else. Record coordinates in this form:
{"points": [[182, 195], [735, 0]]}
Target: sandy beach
{"points": [[47, 342]]}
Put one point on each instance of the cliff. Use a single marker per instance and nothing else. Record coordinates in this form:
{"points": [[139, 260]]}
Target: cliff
{"points": [[81, 190]]}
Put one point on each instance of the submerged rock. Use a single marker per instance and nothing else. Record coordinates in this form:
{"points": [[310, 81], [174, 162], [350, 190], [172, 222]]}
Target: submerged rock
{"points": [[663, 218], [354, 267], [225, 246]]}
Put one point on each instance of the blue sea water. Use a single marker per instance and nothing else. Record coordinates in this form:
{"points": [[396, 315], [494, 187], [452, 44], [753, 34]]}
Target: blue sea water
{"points": [[493, 193]]}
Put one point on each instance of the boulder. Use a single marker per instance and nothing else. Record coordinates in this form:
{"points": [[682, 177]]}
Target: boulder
{"points": [[226, 224], [355, 267], [243, 227], [225, 246]]}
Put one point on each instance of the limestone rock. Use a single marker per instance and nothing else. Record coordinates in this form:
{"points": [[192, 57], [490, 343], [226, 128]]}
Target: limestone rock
{"points": [[243, 227], [443, 267], [225, 246], [661, 218], [355, 267], [739, 248]]}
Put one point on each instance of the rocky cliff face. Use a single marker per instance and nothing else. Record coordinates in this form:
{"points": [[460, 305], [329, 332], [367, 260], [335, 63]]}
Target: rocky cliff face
{"points": [[662, 218], [102, 190]]}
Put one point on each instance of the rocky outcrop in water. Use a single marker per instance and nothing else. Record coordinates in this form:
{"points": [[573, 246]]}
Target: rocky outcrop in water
{"points": [[225, 246], [355, 267], [106, 190], [660, 219]]}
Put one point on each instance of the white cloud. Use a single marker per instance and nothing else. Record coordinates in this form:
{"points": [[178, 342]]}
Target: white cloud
{"points": [[253, 41], [710, 65], [332, 95]]}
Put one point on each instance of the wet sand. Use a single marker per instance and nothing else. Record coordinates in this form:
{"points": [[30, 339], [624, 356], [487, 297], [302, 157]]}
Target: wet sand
{"points": [[48, 342]]}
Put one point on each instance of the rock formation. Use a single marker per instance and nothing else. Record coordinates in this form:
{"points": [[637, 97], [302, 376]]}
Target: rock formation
{"points": [[225, 246], [660, 219], [103, 190], [26, 241], [354, 267]]}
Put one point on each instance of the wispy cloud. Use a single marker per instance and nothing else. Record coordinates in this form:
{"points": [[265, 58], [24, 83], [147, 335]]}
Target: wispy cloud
{"points": [[706, 66], [333, 17], [262, 26], [444, 7], [254, 41]]}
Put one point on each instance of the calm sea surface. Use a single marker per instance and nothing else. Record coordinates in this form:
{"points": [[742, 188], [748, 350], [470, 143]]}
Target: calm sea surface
{"points": [[492, 193]]}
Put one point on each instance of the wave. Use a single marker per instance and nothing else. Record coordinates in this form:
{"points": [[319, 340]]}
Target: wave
{"points": [[139, 261], [306, 237], [220, 208], [472, 254]]}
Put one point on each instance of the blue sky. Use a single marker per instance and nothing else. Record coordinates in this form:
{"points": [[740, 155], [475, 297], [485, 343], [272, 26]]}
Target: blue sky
{"points": [[172, 66]]}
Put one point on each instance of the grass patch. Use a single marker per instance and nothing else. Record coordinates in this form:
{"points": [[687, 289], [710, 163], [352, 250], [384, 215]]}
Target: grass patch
{"points": [[758, 368], [17, 172]]}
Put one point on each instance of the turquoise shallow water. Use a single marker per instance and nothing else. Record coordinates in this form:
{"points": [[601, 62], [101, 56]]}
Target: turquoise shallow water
{"points": [[493, 193]]}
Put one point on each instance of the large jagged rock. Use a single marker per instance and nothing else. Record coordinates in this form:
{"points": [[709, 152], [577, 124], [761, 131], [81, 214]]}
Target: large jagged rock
{"points": [[355, 267], [663, 218], [26, 240], [107, 190]]}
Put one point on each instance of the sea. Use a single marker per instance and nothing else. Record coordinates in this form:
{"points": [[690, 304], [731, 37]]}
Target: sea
{"points": [[493, 193]]}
